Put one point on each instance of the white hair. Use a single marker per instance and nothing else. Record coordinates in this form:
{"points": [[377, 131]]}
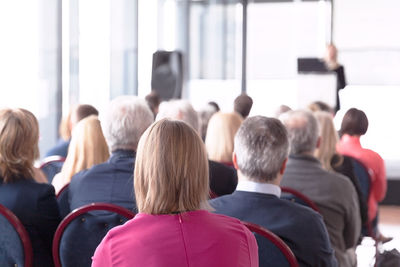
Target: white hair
{"points": [[261, 147], [179, 110], [126, 120], [303, 131]]}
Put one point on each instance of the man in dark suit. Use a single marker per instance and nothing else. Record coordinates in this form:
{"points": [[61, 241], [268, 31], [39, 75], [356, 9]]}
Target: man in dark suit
{"points": [[260, 156], [223, 179], [112, 182]]}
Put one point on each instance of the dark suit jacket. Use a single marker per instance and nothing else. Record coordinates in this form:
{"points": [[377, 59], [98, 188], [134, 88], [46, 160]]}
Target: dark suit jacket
{"points": [[301, 228], [36, 207], [110, 182], [60, 149], [223, 179]]}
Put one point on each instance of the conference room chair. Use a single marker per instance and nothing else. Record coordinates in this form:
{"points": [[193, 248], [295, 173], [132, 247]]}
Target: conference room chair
{"points": [[62, 200], [51, 166], [272, 250], [15, 245], [297, 197], [79, 234]]}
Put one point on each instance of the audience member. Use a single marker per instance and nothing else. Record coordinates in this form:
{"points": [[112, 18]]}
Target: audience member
{"points": [[242, 105], [111, 182], [333, 193], [321, 106], [215, 105], [281, 109], [354, 125], [261, 150], [77, 114], [172, 229], [332, 161], [223, 179], [153, 100], [205, 115], [221, 131], [87, 148], [332, 64], [34, 204]]}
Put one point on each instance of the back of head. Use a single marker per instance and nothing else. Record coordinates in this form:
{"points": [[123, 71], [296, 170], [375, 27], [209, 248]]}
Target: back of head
{"points": [[82, 111], [179, 110], [204, 116], [321, 106], [153, 100], [329, 139], [126, 120], [171, 169], [354, 122], [261, 147], [88, 147], [19, 137], [243, 104], [221, 131], [303, 131]]}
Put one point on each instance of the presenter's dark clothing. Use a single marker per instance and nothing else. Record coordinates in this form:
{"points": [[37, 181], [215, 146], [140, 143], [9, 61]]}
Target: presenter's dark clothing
{"points": [[36, 207], [109, 182], [340, 84], [223, 179], [60, 149], [301, 228]]}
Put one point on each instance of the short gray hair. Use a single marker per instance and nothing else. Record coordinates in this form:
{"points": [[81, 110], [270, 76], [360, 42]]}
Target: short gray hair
{"points": [[179, 110], [261, 147], [126, 120], [303, 131]]}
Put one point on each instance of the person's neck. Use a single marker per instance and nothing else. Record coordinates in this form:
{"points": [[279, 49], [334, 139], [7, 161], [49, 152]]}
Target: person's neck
{"points": [[242, 177]]}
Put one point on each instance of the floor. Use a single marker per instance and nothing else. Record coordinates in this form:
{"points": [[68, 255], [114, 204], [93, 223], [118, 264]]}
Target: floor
{"points": [[389, 225]]}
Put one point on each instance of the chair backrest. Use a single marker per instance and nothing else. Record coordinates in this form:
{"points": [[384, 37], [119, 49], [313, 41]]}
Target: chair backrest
{"points": [[51, 166], [272, 251], [297, 197], [212, 195], [15, 245], [79, 234], [62, 200]]}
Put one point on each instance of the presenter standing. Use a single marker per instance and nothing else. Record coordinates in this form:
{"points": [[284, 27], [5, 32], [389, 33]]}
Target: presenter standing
{"points": [[333, 65]]}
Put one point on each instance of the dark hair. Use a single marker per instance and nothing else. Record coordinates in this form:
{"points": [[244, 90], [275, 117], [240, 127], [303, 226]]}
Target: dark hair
{"points": [[243, 104], [83, 111], [354, 122], [320, 106], [215, 105], [153, 100]]}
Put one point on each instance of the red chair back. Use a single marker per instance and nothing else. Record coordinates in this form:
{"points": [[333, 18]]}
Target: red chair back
{"points": [[276, 241], [22, 233], [299, 198], [89, 229]]}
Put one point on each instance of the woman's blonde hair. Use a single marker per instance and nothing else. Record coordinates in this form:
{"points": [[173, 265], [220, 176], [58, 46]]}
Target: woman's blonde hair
{"points": [[19, 137], [221, 131], [171, 169], [329, 138], [88, 147]]}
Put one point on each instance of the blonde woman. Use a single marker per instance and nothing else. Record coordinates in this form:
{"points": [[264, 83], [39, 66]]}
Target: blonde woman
{"points": [[33, 203], [333, 161], [221, 131], [173, 227], [87, 148]]}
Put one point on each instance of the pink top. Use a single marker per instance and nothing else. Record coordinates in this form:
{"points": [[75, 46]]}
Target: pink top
{"points": [[351, 146], [195, 238]]}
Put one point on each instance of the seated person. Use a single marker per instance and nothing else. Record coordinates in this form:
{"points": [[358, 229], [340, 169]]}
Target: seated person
{"points": [[88, 147], [261, 150], [78, 113], [354, 125], [242, 105], [172, 227], [223, 179], [33, 203], [111, 182], [333, 193]]}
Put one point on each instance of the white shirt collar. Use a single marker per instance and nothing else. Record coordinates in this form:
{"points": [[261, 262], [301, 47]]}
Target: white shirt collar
{"points": [[265, 188]]}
